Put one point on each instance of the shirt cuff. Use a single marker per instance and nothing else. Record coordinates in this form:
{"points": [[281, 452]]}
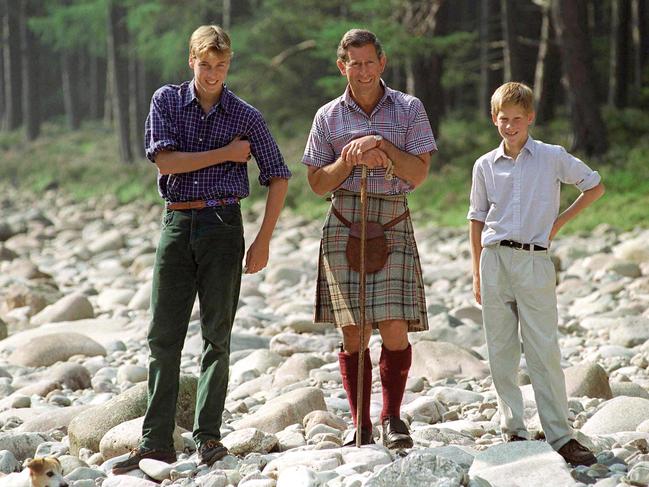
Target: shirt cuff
{"points": [[589, 182], [474, 214], [281, 172], [159, 146]]}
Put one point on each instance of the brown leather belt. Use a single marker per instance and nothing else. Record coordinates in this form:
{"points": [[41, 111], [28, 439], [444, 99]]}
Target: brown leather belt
{"points": [[517, 245], [200, 204]]}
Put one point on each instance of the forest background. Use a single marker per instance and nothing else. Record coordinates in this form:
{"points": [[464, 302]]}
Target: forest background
{"points": [[76, 78]]}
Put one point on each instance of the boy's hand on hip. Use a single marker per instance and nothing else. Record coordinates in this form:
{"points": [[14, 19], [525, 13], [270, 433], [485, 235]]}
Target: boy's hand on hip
{"points": [[476, 289], [256, 257]]}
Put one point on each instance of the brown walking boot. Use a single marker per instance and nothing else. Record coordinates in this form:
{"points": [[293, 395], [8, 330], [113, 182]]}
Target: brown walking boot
{"points": [[139, 453], [211, 451], [575, 453]]}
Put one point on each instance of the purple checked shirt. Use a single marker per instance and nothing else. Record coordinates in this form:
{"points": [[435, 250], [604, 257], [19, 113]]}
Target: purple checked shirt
{"points": [[398, 117], [176, 122]]}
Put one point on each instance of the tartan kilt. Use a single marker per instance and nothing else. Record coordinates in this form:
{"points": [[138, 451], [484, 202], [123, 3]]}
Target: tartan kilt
{"points": [[396, 292]]}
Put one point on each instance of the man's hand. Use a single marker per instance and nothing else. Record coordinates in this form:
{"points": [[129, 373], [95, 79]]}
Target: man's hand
{"points": [[476, 289], [239, 150], [354, 150], [374, 158], [257, 256]]}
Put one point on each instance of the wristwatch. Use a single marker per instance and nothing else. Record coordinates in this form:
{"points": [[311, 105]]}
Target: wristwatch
{"points": [[378, 139]]}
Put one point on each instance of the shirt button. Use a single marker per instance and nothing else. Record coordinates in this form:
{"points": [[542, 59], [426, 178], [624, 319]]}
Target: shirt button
{"points": [[200, 140], [203, 118], [195, 182], [369, 123]]}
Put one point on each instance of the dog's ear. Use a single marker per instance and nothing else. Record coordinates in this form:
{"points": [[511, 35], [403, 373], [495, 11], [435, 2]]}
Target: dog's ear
{"points": [[35, 464]]}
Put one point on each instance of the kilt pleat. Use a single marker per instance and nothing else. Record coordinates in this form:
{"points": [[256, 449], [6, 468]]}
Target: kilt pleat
{"points": [[396, 292]]}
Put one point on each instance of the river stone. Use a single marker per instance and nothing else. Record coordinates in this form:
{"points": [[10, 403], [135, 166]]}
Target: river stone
{"points": [[432, 434], [4, 330], [315, 459], [419, 469], [126, 436], [287, 343], [110, 240], [462, 455], [587, 379], [248, 440], [635, 250], [521, 464], [618, 414], [141, 300], [297, 475], [155, 469], [284, 410], [639, 474], [631, 331], [324, 417], [85, 473], [55, 347], [630, 389], [258, 360], [8, 462], [111, 298], [69, 308], [56, 418], [89, 427], [441, 360], [22, 445], [73, 376], [425, 406], [131, 373], [251, 387], [127, 481], [295, 369]]}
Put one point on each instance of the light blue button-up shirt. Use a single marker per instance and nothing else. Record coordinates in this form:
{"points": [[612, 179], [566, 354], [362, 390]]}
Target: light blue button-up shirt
{"points": [[519, 199]]}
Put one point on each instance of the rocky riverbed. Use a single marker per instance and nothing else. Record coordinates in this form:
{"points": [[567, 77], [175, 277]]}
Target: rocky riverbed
{"points": [[75, 280]]}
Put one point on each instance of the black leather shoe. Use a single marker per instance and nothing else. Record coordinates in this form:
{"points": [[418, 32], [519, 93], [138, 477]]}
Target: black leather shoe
{"points": [[366, 438], [211, 451], [396, 434]]}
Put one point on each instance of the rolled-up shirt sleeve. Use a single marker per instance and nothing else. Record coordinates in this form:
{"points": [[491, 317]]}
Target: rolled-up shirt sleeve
{"points": [[571, 170], [266, 152], [160, 131], [318, 151], [419, 138], [478, 201]]}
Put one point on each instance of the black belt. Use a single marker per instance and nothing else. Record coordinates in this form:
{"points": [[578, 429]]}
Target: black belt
{"points": [[517, 245]]}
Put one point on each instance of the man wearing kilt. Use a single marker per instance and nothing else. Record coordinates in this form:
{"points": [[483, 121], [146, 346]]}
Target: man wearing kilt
{"points": [[387, 131]]}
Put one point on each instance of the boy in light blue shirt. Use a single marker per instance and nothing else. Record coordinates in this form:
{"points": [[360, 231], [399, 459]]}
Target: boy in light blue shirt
{"points": [[514, 215]]}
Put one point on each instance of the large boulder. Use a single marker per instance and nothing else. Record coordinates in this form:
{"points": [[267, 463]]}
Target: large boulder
{"points": [[419, 469], [22, 445], [89, 427], [621, 413], [521, 464], [55, 347], [295, 369], [440, 360], [56, 418], [126, 436], [588, 379], [285, 410], [69, 308]]}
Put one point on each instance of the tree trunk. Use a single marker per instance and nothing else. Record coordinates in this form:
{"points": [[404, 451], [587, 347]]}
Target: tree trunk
{"points": [[640, 39], [618, 78], [12, 68], [29, 55], [97, 88], [490, 75], [519, 51], [227, 14], [547, 77], [569, 18], [117, 47], [69, 85]]}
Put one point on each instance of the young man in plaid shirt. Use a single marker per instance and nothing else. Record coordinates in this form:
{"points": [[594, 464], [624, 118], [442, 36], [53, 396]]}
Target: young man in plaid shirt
{"points": [[200, 136], [387, 131]]}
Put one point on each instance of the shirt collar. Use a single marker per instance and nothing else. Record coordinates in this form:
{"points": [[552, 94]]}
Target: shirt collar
{"points": [[529, 146], [346, 98], [189, 95]]}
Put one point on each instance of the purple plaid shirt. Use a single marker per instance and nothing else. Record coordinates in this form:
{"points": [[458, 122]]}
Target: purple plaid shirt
{"points": [[177, 122], [398, 117]]}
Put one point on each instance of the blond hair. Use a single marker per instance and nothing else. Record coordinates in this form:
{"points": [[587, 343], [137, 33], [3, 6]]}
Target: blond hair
{"points": [[209, 38], [512, 93]]}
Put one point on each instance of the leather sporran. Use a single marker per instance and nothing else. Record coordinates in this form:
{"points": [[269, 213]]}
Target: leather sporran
{"points": [[376, 244], [376, 247]]}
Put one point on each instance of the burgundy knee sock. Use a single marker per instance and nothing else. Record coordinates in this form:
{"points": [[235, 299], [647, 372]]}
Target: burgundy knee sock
{"points": [[349, 372], [394, 367]]}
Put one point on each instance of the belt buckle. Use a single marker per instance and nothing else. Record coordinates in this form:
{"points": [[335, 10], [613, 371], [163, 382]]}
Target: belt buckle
{"points": [[211, 203]]}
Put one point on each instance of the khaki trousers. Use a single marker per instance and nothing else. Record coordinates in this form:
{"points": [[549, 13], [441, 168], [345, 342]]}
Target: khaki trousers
{"points": [[518, 288]]}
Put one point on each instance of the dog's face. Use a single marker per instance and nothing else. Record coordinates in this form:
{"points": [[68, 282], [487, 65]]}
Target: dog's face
{"points": [[46, 472]]}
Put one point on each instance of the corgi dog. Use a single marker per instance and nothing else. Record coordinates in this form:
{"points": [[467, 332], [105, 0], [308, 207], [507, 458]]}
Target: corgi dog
{"points": [[39, 472]]}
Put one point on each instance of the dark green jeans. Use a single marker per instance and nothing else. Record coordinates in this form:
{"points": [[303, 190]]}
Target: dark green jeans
{"points": [[200, 251]]}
